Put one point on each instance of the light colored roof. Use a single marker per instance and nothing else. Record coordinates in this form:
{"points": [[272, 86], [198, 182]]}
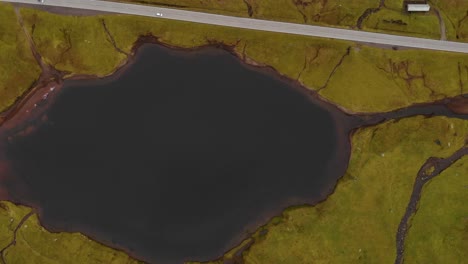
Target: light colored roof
{"points": [[419, 7]]}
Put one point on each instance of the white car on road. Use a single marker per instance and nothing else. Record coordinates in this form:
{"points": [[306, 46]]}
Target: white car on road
{"points": [[159, 14]]}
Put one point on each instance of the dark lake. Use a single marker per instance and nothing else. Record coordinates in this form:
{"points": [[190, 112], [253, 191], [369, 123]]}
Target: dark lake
{"points": [[178, 156]]}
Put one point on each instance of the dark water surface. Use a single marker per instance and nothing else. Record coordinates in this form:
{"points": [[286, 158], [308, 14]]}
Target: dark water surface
{"points": [[177, 156]]}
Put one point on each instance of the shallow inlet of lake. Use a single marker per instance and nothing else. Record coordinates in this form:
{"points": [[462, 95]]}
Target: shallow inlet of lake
{"points": [[177, 156]]}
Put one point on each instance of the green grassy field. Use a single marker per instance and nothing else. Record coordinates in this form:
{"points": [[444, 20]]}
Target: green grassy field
{"points": [[373, 80], [10, 216], [400, 23], [18, 68], [72, 44], [439, 229], [456, 17], [34, 244]]}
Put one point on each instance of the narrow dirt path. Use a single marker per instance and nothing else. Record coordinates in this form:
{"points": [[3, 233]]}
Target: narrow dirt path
{"points": [[431, 168], [443, 32]]}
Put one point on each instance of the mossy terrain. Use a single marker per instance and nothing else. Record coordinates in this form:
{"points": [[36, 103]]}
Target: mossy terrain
{"points": [[71, 43], [357, 78], [34, 244], [455, 13], [18, 68], [9, 219], [401, 23], [439, 230], [358, 222], [391, 19]]}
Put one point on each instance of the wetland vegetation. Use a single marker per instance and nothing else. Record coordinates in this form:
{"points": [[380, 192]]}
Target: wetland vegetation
{"points": [[29, 242], [18, 68]]}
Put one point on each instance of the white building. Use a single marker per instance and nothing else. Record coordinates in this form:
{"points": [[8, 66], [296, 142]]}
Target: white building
{"points": [[418, 7]]}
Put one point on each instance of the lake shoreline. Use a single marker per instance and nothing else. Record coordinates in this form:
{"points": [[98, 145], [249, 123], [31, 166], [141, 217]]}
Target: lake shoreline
{"points": [[350, 124], [15, 126]]}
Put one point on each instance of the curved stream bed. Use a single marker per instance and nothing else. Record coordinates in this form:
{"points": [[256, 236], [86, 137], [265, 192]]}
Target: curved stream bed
{"points": [[175, 157]]}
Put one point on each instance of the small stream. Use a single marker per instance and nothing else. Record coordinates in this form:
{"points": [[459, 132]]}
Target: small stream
{"points": [[424, 176]]}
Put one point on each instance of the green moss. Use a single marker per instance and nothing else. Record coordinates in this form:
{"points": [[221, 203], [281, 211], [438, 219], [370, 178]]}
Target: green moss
{"points": [[402, 23], [455, 14], [377, 80], [18, 68], [10, 216], [439, 229], [394, 4], [358, 222], [34, 244], [74, 44], [358, 80]]}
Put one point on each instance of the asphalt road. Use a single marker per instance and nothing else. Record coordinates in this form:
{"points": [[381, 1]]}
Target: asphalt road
{"points": [[256, 24]]}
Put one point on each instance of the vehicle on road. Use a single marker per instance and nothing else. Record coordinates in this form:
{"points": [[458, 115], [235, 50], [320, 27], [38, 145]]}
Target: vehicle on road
{"points": [[157, 14]]}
